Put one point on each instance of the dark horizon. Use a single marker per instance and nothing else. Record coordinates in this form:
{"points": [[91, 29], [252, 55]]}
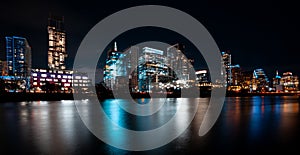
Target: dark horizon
{"points": [[258, 34]]}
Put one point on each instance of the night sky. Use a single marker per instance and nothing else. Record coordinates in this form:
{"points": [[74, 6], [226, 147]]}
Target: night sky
{"points": [[259, 34]]}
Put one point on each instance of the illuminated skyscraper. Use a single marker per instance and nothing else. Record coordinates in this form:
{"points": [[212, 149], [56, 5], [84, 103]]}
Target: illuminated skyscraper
{"points": [[276, 83], [57, 43], [151, 69], [226, 63], [260, 82], [18, 57], [112, 67], [289, 82], [176, 60]]}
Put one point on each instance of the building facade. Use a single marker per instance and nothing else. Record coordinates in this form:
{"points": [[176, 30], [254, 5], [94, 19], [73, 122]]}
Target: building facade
{"points": [[260, 81], [18, 56], [226, 64], [152, 69], [289, 82], [57, 43], [58, 81]]}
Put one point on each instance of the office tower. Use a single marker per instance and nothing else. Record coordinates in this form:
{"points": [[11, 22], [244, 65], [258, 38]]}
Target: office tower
{"points": [[151, 69], [260, 82], [236, 75], [202, 77], [247, 77], [276, 82], [226, 63], [113, 67], [289, 82], [132, 67], [236, 79], [18, 57], [57, 43], [176, 60]]}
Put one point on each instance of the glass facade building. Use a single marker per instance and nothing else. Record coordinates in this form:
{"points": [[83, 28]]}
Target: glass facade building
{"points": [[226, 64], [18, 56], [260, 81]]}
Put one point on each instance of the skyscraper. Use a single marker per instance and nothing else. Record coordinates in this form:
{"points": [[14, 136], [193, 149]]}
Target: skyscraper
{"points": [[18, 56], [289, 82], [226, 62], [176, 60], [113, 67], [57, 43], [260, 82]]}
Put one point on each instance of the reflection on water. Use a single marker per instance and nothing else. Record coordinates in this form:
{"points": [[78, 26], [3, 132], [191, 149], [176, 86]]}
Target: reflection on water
{"points": [[246, 125]]}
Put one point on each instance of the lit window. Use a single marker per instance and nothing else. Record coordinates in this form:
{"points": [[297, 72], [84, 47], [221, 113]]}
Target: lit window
{"points": [[63, 80], [34, 83], [34, 74], [77, 77], [44, 75], [58, 76], [67, 84], [69, 77], [65, 76], [42, 79]]}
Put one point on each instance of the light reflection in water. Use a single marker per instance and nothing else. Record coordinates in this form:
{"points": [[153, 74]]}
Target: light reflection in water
{"points": [[54, 127]]}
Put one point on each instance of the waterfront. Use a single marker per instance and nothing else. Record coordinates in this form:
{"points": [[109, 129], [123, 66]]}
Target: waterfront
{"points": [[246, 125]]}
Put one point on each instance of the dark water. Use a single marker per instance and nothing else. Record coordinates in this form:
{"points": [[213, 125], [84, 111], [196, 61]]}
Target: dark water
{"points": [[247, 125]]}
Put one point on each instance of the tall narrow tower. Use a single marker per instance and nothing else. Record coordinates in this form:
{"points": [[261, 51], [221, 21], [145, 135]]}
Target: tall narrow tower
{"points": [[57, 43]]}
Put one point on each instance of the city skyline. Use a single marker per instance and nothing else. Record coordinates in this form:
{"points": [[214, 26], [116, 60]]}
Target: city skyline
{"points": [[258, 28]]}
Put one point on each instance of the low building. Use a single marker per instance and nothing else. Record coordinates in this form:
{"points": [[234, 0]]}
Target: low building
{"points": [[57, 81]]}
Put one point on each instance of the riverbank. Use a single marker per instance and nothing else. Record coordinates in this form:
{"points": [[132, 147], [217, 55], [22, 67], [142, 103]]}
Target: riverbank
{"points": [[18, 97]]}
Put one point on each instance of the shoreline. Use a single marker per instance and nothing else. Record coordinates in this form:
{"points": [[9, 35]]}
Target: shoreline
{"points": [[19, 97]]}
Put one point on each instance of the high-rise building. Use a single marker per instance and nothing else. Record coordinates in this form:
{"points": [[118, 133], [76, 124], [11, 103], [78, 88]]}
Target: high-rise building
{"points": [[260, 82], [113, 67], [176, 60], [236, 79], [151, 69], [226, 63], [57, 43], [276, 83], [202, 76], [236, 75], [247, 77], [289, 82], [18, 57]]}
